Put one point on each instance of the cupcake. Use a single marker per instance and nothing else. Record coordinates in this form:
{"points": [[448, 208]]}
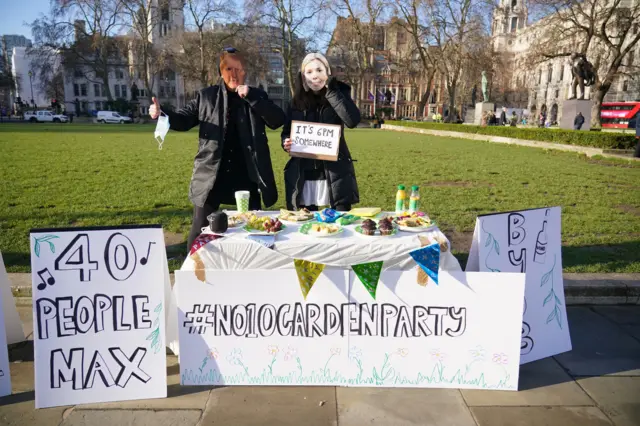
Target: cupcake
{"points": [[368, 227], [385, 226]]}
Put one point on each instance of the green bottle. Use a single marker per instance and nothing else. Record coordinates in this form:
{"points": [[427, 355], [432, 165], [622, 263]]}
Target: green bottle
{"points": [[400, 197], [414, 200]]}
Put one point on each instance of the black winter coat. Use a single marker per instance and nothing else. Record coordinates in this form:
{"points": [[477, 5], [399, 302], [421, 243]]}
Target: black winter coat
{"points": [[209, 110], [341, 175]]}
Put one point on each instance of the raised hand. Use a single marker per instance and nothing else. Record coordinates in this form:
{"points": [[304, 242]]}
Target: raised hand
{"points": [[154, 108], [287, 144], [242, 91]]}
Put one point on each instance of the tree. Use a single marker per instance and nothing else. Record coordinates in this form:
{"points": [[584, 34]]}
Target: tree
{"points": [[294, 20], [83, 33], [359, 37], [606, 31]]}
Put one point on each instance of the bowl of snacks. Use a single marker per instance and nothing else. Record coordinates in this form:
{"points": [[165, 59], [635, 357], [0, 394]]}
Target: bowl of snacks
{"points": [[264, 226], [383, 228], [319, 229]]}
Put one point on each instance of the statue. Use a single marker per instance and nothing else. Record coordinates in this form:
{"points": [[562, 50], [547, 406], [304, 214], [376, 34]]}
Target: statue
{"points": [[134, 92], [474, 94], [583, 75], [485, 94]]}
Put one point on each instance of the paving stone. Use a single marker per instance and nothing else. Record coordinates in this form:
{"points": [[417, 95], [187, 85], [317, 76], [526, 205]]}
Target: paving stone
{"points": [[400, 407], [600, 347], [282, 406], [542, 382], [628, 317], [19, 410], [178, 397], [539, 416], [132, 418], [21, 376], [617, 397]]}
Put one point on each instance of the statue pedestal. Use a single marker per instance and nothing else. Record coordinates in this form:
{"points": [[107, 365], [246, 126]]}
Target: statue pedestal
{"points": [[570, 108], [481, 107]]}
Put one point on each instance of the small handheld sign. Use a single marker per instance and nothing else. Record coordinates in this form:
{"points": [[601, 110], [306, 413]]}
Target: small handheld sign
{"points": [[315, 140]]}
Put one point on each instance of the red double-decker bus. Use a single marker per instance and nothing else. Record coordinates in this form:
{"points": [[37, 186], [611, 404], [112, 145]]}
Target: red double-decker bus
{"points": [[620, 115]]}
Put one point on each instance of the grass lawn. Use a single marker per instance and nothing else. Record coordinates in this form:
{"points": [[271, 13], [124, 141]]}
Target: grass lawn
{"points": [[89, 174]]}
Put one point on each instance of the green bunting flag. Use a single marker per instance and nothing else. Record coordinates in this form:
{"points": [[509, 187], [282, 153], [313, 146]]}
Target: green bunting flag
{"points": [[369, 274], [308, 272]]}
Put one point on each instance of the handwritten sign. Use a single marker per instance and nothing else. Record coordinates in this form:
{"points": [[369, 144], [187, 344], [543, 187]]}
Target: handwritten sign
{"points": [[98, 311], [315, 140], [529, 242], [248, 327], [5, 377]]}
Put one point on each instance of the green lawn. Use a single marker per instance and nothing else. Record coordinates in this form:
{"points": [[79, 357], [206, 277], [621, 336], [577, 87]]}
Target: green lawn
{"points": [[76, 175]]}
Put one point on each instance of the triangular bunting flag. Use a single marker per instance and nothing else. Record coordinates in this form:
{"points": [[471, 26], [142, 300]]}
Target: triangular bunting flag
{"points": [[428, 258], [369, 274], [308, 273], [201, 240]]}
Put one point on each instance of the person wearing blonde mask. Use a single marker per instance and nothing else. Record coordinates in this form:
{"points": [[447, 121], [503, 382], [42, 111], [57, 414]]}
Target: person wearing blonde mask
{"points": [[320, 98]]}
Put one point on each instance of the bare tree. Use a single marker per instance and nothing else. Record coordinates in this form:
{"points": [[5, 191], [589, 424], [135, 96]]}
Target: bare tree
{"points": [[82, 32], [294, 20], [606, 31]]}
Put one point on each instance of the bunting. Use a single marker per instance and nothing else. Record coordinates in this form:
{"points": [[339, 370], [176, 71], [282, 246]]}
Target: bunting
{"points": [[308, 272], [369, 275], [201, 240], [428, 258]]}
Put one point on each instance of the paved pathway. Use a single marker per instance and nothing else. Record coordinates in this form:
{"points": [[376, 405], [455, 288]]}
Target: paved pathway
{"points": [[597, 383]]}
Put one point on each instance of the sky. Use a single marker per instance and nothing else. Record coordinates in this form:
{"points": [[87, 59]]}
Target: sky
{"points": [[14, 14]]}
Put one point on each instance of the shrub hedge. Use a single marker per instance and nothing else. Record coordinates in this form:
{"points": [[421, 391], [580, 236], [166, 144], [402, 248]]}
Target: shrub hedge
{"points": [[603, 140]]}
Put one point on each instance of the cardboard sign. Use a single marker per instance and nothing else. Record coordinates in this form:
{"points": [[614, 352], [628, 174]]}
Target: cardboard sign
{"points": [[251, 327], [315, 140], [528, 241], [98, 314], [12, 322], [5, 377]]}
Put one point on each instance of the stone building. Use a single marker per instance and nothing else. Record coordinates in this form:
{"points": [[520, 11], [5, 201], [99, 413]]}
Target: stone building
{"points": [[544, 86]]}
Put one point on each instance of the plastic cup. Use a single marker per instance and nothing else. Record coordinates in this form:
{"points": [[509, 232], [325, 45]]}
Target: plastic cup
{"points": [[242, 201]]}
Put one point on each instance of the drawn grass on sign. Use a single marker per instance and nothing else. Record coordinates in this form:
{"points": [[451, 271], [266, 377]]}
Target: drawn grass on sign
{"points": [[46, 239], [385, 376], [552, 297], [156, 339], [495, 246]]}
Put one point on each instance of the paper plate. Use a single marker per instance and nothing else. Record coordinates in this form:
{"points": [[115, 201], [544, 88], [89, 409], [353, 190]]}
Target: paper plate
{"points": [[306, 230], [254, 231], [365, 211], [294, 222], [377, 234]]}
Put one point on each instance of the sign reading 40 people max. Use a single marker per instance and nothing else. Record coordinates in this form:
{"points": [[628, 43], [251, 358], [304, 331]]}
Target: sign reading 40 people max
{"points": [[98, 309]]}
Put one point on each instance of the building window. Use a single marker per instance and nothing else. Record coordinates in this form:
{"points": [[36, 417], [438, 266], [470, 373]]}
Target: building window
{"points": [[141, 93], [549, 73], [162, 91], [173, 90], [124, 91], [119, 74], [76, 90], [77, 73], [164, 12], [630, 61], [98, 105], [625, 85], [514, 24], [83, 90], [117, 90], [96, 90], [557, 93], [561, 77], [539, 76], [514, 3]]}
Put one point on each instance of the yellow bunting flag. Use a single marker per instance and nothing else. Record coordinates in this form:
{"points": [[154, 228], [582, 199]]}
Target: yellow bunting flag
{"points": [[308, 273]]}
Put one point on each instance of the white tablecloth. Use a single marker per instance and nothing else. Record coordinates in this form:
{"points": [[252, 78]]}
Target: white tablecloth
{"points": [[235, 251]]}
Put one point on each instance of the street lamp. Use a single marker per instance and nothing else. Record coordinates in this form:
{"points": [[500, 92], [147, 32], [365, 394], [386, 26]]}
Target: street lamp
{"points": [[31, 83]]}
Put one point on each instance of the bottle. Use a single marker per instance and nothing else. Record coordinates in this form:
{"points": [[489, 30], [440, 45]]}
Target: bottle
{"points": [[414, 200], [400, 197], [541, 245]]}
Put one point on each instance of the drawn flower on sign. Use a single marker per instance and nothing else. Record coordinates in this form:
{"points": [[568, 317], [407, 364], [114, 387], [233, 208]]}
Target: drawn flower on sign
{"points": [[403, 352], [235, 357], [477, 353], [273, 350], [290, 353], [213, 353], [355, 353], [500, 358], [335, 351], [437, 355]]}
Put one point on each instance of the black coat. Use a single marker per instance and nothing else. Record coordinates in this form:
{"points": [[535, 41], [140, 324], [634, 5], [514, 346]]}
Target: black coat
{"points": [[209, 110], [341, 175]]}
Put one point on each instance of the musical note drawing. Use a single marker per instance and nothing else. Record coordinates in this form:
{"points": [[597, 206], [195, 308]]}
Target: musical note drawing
{"points": [[145, 259], [46, 278]]}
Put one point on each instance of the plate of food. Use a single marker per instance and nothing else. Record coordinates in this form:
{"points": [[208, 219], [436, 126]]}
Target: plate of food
{"points": [[302, 215], [264, 226], [383, 228], [319, 229], [414, 223]]}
